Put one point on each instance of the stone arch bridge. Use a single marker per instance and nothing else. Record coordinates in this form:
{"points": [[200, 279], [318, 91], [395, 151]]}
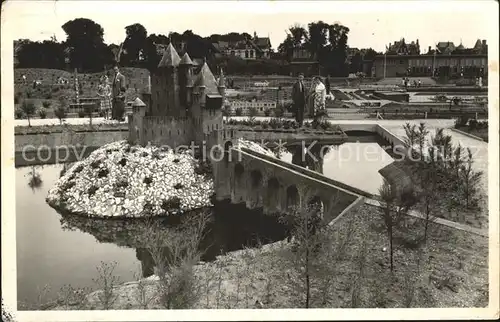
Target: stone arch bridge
{"points": [[276, 186]]}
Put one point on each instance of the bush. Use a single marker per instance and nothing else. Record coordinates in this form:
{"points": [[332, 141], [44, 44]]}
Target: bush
{"points": [[48, 96], [17, 98], [148, 180], [46, 104], [279, 111], [81, 114], [18, 113], [252, 111], [92, 190], [239, 111], [275, 123], [171, 204], [42, 114], [267, 112], [103, 173], [60, 113]]}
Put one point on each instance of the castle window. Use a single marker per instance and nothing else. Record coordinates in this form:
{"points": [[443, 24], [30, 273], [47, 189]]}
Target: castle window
{"points": [[169, 132], [178, 132], [217, 126], [208, 128], [251, 53], [246, 53]]}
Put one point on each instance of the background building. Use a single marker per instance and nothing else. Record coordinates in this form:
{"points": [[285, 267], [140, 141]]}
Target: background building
{"points": [[446, 60]]}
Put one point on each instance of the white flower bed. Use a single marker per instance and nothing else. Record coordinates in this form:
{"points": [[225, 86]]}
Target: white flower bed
{"points": [[255, 147], [124, 191]]}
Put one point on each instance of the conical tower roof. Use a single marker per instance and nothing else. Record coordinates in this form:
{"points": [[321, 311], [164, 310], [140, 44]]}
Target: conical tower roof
{"points": [[137, 102], [206, 79], [186, 60], [170, 57]]}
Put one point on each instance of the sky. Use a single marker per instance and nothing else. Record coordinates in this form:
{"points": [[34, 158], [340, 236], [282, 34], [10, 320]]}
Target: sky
{"points": [[371, 24]]}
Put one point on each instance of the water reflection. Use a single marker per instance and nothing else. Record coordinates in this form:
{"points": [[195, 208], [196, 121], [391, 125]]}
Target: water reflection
{"points": [[228, 228], [35, 181]]}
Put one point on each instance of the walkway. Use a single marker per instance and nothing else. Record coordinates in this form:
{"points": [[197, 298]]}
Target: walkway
{"points": [[440, 221]]}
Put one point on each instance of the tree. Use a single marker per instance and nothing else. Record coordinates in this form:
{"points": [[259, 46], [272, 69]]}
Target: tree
{"points": [[175, 253], [134, 43], [470, 180], [421, 135], [356, 65], [60, 113], [35, 181], [428, 186], [28, 108], [46, 54], [304, 223], [86, 44], [389, 214]]}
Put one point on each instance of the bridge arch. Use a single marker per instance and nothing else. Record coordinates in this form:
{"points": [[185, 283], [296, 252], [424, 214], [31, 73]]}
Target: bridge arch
{"points": [[272, 194], [255, 189], [317, 205], [239, 183], [292, 197]]}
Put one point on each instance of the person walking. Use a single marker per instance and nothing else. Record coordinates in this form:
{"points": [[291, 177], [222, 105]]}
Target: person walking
{"points": [[299, 99], [104, 93], [118, 92]]}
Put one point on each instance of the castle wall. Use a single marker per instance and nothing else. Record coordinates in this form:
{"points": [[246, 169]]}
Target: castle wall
{"points": [[166, 130]]}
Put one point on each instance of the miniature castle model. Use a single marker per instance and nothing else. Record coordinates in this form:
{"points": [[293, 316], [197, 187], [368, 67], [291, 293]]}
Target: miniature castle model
{"points": [[182, 108]]}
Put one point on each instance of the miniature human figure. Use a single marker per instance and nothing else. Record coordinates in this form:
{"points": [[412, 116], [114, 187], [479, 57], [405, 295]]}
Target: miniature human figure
{"points": [[104, 93], [299, 99]]}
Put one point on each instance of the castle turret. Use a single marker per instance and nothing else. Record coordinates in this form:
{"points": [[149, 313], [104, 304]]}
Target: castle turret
{"points": [[221, 86], [185, 80], [206, 83], [166, 86]]}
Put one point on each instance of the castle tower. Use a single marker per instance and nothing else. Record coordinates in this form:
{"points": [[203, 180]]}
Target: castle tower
{"points": [[185, 81], [207, 109], [165, 87], [221, 86]]}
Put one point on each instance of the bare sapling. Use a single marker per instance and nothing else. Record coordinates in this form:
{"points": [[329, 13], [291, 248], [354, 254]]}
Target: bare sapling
{"points": [[107, 282]]}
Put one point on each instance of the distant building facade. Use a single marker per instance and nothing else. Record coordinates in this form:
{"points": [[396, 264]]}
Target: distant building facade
{"points": [[259, 105], [248, 49], [446, 60]]}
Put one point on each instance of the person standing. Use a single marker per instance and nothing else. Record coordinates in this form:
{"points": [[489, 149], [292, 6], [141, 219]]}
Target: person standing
{"points": [[104, 93], [118, 92], [318, 97], [299, 99]]}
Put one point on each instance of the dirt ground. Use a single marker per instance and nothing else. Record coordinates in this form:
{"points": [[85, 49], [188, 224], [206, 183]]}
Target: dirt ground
{"points": [[450, 270]]}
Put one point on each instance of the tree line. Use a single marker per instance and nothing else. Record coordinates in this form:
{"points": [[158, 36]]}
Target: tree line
{"points": [[85, 49]]}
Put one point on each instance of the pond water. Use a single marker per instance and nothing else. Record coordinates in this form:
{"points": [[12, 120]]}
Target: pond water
{"points": [[57, 250], [355, 162]]}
